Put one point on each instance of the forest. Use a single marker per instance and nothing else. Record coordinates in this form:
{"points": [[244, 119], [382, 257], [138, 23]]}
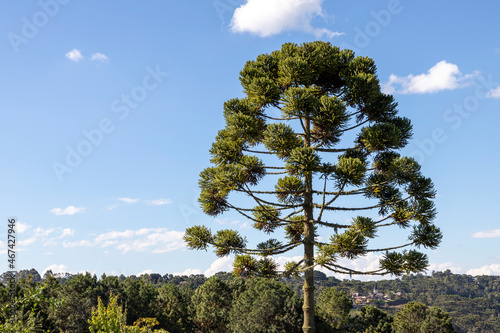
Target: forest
{"points": [[441, 302]]}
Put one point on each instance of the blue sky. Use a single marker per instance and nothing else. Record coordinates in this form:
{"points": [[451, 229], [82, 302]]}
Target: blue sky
{"points": [[109, 110]]}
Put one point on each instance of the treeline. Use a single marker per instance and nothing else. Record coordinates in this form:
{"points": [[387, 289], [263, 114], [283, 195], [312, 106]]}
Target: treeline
{"points": [[223, 303]]}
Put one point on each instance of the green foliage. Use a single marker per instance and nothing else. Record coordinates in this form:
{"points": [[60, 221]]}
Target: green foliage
{"points": [[111, 319], [198, 237], [294, 230], [228, 241], [416, 318], [280, 139], [139, 298], [210, 305], [322, 92], [405, 262], [410, 318], [302, 160], [426, 235], [468, 303], [289, 190], [107, 319], [77, 298], [329, 118], [25, 325], [266, 218], [372, 319], [332, 309], [437, 321], [244, 265], [173, 310], [144, 325], [266, 306], [349, 170]]}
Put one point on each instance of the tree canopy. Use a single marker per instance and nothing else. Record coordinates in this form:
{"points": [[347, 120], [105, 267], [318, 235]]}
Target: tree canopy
{"points": [[315, 136]]}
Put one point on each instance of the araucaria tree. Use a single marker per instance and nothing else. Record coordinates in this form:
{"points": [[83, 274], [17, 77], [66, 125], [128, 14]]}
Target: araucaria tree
{"points": [[315, 138]]}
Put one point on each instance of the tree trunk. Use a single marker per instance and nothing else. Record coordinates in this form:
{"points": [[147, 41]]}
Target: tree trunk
{"points": [[308, 287]]}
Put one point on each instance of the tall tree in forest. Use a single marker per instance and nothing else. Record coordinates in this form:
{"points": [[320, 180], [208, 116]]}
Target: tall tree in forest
{"points": [[315, 122]]}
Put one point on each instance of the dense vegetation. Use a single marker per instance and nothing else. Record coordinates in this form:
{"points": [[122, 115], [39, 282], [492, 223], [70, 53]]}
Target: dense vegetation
{"points": [[224, 303]]}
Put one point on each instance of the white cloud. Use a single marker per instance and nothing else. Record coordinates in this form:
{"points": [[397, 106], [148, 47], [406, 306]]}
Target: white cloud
{"points": [[74, 55], [56, 269], [227, 222], [111, 207], [67, 232], [444, 266], [441, 76], [114, 235], [29, 241], [50, 242], [79, 243], [22, 227], [70, 210], [43, 232], [493, 269], [189, 271], [224, 264], [245, 225], [159, 202], [109, 243], [100, 57], [270, 17], [147, 271], [282, 260], [494, 93], [128, 200], [487, 234], [157, 240], [48, 237]]}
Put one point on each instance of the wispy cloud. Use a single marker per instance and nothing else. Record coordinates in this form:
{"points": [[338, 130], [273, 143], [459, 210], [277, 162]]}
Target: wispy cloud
{"points": [[494, 93], [22, 227], [27, 241], [270, 17], [48, 237], [153, 240], [441, 76], [100, 57], [74, 55], [70, 210], [128, 200], [159, 202], [67, 232], [79, 243], [111, 207], [487, 234]]}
